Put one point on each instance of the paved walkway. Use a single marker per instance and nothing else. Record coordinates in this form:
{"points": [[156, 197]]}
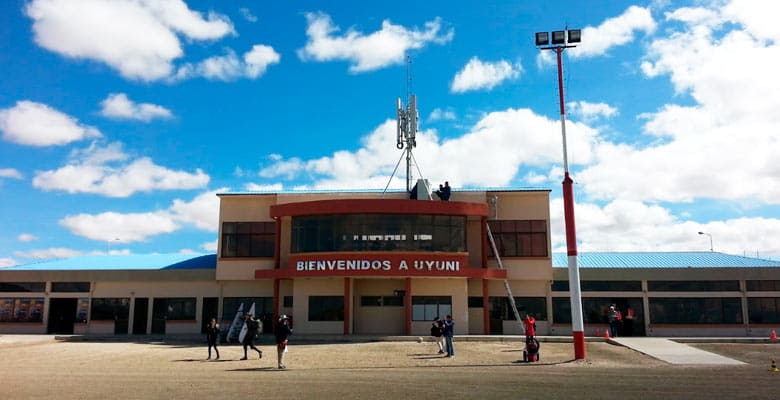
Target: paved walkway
{"points": [[673, 352]]}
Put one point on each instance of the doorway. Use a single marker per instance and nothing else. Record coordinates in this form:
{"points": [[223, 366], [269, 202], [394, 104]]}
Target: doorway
{"points": [[141, 315], [62, 315], [210, 309]]}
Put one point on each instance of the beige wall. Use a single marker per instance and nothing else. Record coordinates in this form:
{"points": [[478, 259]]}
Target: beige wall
{"points": [[302, 289], [457, 288], [374, 320]]}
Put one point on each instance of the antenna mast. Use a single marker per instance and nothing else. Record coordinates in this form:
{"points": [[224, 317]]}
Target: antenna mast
{"points": [[407, 124]]}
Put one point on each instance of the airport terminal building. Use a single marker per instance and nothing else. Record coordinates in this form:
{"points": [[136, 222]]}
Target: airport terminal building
{"points": [[372, 263]]}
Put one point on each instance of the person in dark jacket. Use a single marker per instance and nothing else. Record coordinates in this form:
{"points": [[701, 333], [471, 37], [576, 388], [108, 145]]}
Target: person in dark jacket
{"points": [[282, 333], [212, 334], [449, 331], [252, 327]]}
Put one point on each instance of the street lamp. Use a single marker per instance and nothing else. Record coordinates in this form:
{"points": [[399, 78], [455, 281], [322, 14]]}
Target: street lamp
{"points": [[705, 233], [558, 41]]}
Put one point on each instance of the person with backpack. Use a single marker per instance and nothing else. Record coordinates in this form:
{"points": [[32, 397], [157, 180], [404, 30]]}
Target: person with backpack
{"points": [[252, 327], [437, 331]]}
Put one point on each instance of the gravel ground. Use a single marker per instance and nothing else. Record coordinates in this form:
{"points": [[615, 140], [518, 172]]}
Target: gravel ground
{"points": [[42, 368]]}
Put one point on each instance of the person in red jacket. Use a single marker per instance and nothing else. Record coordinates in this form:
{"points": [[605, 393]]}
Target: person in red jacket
{"points": [[530, 326]]}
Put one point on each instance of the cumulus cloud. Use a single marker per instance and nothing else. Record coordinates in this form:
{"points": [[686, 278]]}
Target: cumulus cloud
{"points": [[108, 32], [106, 171], [54, 252], [61, 252], [515, 138], [732, 121], [117, 105], [26, 237], [10, 173], [7, 262], [614, 32], [628, 225], [110, 226], [439, 114], [35, 124], [209, 246], [229, 67], [256, 187], [202, 211], [482, 75], [247, 14], [591, 111], [367, 52]]}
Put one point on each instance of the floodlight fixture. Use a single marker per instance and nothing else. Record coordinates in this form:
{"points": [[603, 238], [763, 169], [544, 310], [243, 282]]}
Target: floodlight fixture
{"points": [[575, 36], [542, 38], [559, 37]]}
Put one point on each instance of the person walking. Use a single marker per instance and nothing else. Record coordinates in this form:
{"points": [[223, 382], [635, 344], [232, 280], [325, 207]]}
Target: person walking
{"points": [[282, 333], [449, 332], [437, 331], [252, 327], [614, 320], [212, 336]]}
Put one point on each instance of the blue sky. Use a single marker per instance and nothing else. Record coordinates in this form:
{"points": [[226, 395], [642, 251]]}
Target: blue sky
{"points": [[120, 120]]}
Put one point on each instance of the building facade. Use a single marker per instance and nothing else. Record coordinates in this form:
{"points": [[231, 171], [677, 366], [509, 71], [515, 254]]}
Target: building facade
{"points": [[366, 263]]}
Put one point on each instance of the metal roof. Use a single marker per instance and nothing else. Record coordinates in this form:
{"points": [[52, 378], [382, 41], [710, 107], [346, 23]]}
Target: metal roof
{"points": [[178, 261], [131, 262], [682, 259]]}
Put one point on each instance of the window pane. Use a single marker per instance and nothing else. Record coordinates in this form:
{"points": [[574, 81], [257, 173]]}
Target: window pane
{"points": [[23, 287], [70, 287]]}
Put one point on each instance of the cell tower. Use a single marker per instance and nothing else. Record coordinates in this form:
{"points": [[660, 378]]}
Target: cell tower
{"points": [[407, 126]]}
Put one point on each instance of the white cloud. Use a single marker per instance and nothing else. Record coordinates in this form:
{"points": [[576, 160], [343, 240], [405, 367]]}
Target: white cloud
{"points": [[229, 67], [117, 105], [614, 32], [481, 75], [514, 138], [442, 115], [209, 246], [591, 111], [626, 225], [202, 211], [102, 170], [732, 121], [54, 252], [61, 252], [35, 124], [247, 14], [108, 32], [26, 237], [109, 226], [7, 262], [10, 173], [379, 49], [255, 187]]}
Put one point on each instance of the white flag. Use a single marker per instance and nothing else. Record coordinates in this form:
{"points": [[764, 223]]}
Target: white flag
{"points": [[231, 333], [242, 335]]}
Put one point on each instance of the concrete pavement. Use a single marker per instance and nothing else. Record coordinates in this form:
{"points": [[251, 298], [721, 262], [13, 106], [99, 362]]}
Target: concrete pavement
{"points": [[673, 352]]}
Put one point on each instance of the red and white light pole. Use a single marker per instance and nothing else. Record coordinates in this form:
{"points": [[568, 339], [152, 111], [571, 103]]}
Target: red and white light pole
{"points": [[562, 40]]}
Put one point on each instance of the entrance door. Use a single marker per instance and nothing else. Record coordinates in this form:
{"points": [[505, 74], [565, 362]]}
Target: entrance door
{"points": [[210, 309], [159, 313], [62, 314], [140, 316]]}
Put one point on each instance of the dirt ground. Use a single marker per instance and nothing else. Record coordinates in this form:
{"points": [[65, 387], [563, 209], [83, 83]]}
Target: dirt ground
{"points": [[42, 368]]}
